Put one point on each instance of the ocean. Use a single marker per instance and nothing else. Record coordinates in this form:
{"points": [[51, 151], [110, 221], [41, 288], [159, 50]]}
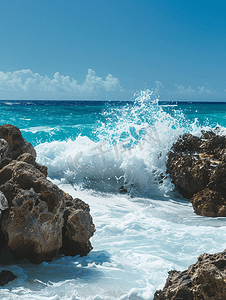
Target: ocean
{"points": [[112, 155]]}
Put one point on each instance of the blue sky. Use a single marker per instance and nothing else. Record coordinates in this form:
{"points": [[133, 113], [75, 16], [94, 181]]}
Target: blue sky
{"points": [[110, 49]]}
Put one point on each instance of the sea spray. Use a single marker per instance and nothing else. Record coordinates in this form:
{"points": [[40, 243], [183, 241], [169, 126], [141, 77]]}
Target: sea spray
{"points": [[126, 152], [138, 239]]}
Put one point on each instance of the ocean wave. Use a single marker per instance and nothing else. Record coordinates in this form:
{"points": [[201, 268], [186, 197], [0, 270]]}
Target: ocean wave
{"points": [[127, 154]]}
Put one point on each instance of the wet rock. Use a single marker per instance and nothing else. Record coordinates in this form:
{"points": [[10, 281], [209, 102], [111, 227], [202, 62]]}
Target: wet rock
{"points": [[197, 166], [17, 144], [6, 276], [123, 189], [39, 219], [206, 279], [78, 226], [34, 223]]}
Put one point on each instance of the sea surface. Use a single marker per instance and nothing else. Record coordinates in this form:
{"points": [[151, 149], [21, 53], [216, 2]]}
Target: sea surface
{"points": [[112, 155]]}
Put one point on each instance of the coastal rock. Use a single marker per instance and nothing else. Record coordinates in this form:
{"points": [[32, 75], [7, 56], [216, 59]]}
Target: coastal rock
{"points": [[197, 166], [206, 279], [6, 276], [4, 149], [78, 226], [28, 158], [17, 144], [3, 203], [41, 219]]}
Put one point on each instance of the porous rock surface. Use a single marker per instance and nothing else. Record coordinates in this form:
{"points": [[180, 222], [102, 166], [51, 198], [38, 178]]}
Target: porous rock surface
{"points": [[205, 280], [41, 219], [197, 166]]}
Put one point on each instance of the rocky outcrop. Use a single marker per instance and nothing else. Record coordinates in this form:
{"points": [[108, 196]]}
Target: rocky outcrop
{"points": [[197, 166], [205, 280], [40, 219], [17, 144]]}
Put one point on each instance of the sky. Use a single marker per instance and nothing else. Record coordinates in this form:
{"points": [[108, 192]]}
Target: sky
{"points": [[112, 49]]}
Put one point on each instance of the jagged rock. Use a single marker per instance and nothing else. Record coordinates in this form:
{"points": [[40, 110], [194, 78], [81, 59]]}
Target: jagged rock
{"points": [[197, 166], [41, 218], [17, 144], [34, 224], [205, 280], [6, 276], [79, 226]]}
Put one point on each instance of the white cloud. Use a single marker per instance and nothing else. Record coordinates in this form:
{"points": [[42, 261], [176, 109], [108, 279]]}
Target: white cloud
{"points": [[25, 84], [180, 92], [27, 81], [200, 90]]}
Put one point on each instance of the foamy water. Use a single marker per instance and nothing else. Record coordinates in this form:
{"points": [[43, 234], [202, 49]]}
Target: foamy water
{"points": [[141, 234]]}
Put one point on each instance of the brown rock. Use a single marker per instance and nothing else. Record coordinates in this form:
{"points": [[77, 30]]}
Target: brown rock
{"points": [[28, 158], [198, 169], [205, 280], [32, 231], [78, 226], [34, 224], [17, 144], [4, 149], [40, 219]]}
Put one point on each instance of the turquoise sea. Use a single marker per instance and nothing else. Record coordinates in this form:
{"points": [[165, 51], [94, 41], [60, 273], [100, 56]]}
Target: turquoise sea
{"points": [[94, 148]]}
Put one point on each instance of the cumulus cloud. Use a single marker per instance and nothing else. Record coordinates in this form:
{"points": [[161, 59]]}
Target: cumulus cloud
{"points": [[200, 90], [27, 81], [27, 85], [180, 92]]}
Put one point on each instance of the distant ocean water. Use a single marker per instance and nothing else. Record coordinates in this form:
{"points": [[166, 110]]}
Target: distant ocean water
{"points": [[94, 148]]}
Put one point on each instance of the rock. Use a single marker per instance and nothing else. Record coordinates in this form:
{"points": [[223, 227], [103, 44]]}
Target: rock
{"points": [[28, 158], [41, 219], [3, 202], [4, 149], [206, 279], [34, 224], [197, 166], [123, 189], [6, 276], [17, 144], [79, 226]]}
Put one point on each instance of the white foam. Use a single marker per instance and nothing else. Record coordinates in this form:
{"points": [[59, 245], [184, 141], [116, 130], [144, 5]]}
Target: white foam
{"points": [[130, 151], [137, 241], [39, 129]]}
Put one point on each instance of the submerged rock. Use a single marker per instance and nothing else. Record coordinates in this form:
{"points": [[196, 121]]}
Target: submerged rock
{"points": [[6, 276], [197, 166], [41, 219], [206, 279]]}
